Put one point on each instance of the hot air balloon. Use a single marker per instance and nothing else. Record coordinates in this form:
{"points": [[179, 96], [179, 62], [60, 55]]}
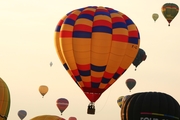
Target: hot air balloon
{"points": [[141, 56], [155, 16], [72, 118], [150, 106], [47, 117], [22, 114], [62, 104], [170, 10], [130, 83], [4, 100], [43, 89], [125, 98], [119, 101], [96, 45], [51, 64]]}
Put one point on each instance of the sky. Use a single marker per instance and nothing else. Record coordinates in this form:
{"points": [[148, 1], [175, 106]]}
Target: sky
{"points": [[27, 48]]}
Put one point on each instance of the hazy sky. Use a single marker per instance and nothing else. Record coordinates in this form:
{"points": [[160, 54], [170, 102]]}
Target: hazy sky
{"points": [[27, 47]]}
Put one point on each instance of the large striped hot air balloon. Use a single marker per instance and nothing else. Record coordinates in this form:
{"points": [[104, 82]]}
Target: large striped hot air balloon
{"points": [[47, 117], [4, 100], [150, 106], [170, 10], [96, 45]]}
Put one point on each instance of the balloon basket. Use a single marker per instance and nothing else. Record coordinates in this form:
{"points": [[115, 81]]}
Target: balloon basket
{"points": [[91, 108], [91, 111]]}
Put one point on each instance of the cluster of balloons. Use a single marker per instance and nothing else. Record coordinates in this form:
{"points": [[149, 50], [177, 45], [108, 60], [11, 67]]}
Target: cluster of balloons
{"points": [[96, 45], [169, 11], [61, 103]]}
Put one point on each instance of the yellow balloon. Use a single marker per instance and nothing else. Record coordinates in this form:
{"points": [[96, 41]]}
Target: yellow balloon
{"points": [[47, 117], [43, 89], [155, 16]]}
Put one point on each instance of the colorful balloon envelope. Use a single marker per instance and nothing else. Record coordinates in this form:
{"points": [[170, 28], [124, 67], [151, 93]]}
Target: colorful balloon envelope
{"points": [[62, 104], [4, 100], [119, 101], [130, 83], [150, 106], [96, 45], [170, 10], [43, 89], [72, 118], [47, 117], [155, 16], [22, 114]]}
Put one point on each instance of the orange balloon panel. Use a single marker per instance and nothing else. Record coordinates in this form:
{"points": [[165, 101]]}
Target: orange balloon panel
{"points": [[96, 45]]}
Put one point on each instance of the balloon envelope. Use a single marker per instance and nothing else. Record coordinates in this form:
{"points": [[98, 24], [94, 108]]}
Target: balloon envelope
{"points": [[62, 104], [96, 45], [150, 106], [22, 114], [130, 83], [141, 56], [72, 118], [170, 10], [119, 101], [155, 16], [51, 64], [4, 100], [47, 117], [43, 89]]}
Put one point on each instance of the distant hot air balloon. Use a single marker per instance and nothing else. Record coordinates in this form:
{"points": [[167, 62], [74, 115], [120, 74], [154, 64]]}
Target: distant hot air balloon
{"points": [[72, 118], [141, 56], [47, 117], [96, 45], [51, 64], [170, 10], [155, 16], [62, 104], [125, 98], [4, 100], [150, 106], [43, 89], [119, 101], [130, 83], [22, 114]]}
